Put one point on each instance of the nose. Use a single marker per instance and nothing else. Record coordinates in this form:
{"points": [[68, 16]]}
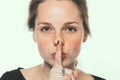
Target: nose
{"points": [[59, 39]]}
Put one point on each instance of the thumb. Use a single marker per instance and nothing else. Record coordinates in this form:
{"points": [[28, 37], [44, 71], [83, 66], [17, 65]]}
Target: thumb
{"points": [[75, 73]]}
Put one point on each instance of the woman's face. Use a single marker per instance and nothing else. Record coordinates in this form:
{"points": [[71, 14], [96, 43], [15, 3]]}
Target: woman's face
{"points": [[59, 20]]}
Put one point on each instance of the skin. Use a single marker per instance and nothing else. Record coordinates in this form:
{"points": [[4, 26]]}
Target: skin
{"points": [[58, 29], [59, 18]]}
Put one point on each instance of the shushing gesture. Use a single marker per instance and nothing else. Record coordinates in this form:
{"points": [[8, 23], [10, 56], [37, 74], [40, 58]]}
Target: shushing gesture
{"points": [[58, 72]]}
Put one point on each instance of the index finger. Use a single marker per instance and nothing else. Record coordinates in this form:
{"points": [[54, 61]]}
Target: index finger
{"points": [[58, 59]]}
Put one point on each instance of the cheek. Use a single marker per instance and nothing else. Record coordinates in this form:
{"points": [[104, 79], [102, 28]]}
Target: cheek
{"points": [[43, 46], [74, 45]]}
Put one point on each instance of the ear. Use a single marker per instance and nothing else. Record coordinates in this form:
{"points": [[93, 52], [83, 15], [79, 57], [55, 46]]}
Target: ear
{"points": [[85, 37], [34, 37]]}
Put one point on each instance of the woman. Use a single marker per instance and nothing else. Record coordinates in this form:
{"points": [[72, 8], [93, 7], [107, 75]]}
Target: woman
{"points": [[59, 29]]}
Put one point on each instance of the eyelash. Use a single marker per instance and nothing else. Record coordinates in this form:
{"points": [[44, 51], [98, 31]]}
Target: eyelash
{"points": [[45, 28], [71, 29], [68, 29]]}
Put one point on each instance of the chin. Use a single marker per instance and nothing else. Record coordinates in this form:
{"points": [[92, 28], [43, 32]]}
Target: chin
{"points": [[68, 65]]}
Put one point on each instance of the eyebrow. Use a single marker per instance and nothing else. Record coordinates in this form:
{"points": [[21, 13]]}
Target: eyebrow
{"points": [[67, 23], [46, 23], [71, 23]]}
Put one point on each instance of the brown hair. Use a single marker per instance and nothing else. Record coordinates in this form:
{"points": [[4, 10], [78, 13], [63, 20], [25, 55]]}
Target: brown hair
{"points": [[81, 4]]}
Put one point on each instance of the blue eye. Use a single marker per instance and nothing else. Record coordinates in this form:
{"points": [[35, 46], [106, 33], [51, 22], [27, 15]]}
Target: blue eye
{"points": [[45, 28]]}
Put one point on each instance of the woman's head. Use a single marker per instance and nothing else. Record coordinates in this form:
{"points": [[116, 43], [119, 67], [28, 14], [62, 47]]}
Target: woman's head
{"points": [[59, 20], [81, 4]]}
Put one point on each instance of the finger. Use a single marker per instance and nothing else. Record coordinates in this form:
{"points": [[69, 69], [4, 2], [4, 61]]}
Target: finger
{"points": [[58, 59], [75, 73]]}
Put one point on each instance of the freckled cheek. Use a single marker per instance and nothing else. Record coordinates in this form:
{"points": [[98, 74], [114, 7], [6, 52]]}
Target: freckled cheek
{"points": [[44, 45], [74, 45]]}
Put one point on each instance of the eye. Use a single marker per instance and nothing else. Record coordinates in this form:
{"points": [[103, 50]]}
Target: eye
{"points": [[45, 28], [71, 28]]}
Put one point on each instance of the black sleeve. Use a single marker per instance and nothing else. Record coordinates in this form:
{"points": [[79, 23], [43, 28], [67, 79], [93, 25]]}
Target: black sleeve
{"points": [[8, 76], [12, 75], [98, 78]]}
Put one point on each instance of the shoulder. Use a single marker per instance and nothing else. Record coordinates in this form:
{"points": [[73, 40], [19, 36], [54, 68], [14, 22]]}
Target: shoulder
{"points": [[12, 75], [86, 76]]}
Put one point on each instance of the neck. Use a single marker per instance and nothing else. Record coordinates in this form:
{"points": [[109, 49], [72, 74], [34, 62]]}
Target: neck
{"points": [[71, 66], [46, 67]]}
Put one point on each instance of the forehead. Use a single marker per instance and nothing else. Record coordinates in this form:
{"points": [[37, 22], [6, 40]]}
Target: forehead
{"points": [[58, 6], [57, 9]]}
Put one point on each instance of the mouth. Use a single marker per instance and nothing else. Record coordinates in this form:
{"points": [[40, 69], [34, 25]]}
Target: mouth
{"points": [[63, 55]]}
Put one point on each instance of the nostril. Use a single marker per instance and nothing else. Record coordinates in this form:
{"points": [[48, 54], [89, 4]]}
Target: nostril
{"points": [[58, 42]]}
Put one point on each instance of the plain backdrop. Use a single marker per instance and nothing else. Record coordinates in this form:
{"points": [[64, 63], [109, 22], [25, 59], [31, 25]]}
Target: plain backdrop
{"points": [[100, 55]]}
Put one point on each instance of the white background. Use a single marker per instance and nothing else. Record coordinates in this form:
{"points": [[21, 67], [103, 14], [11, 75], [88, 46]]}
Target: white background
{"points": [[100, 55]]}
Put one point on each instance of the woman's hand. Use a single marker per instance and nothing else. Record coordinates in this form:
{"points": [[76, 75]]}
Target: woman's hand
{"points": [[58, 72]]}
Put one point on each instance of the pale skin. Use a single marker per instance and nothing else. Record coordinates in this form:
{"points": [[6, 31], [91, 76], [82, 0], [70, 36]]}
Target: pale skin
{"points": [[59, 34]]}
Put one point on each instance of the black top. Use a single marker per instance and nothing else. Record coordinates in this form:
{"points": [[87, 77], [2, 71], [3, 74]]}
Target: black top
{"points": [[17, 75]]}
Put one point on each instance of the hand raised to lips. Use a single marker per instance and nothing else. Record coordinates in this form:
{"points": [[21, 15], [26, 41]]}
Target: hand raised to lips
{"points": [[58, 72]]}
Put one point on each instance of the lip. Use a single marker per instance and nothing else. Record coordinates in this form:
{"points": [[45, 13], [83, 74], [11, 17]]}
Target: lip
{"points": [[63, 55]]}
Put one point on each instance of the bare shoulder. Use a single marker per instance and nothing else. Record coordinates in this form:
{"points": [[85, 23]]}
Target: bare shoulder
{"points": [[28, 73], [84, 76]]}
